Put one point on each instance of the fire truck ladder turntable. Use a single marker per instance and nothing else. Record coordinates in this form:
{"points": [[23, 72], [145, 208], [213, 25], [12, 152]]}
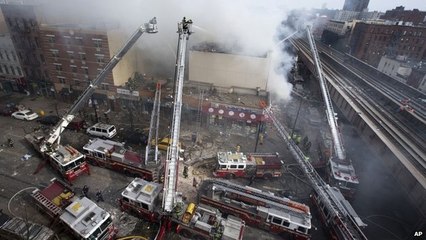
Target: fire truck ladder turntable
{"points": [[348, 225], [170, 178], [54, 135], [155, 123]]}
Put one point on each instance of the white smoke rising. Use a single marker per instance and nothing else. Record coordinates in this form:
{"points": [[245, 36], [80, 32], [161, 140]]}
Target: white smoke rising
{"points": [[251, 25]]}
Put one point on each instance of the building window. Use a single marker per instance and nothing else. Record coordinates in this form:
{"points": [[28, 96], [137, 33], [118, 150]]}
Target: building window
{"points": [[18, 69], [1, 54], [55, 53], [79, 40], [82, 56], [58, 67], [1, 69], [97, 42], [14, 56], [51, 38], [73, 68], [70, 54], [61, 79], [67, 40], [7, 55], [6, 69], [12, 70], [85, 70], [99, 58], [105, 87]]}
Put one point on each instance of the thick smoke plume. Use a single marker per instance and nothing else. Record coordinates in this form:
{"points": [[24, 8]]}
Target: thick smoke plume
{"points": [[253, 26]]}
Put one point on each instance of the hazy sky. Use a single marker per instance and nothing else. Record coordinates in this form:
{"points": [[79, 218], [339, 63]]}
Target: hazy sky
{"points": [[374, 5]]}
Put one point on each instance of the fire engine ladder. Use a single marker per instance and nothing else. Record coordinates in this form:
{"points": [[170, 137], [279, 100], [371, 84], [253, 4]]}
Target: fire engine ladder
{"points": [[333, 206], [184, 30], [338, 146], [200, 108], [40, 198], [54, 135], [270, 201], [155, 123]]}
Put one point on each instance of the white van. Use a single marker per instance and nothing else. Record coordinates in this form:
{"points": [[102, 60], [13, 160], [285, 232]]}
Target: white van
{"points": [[102, 130]]}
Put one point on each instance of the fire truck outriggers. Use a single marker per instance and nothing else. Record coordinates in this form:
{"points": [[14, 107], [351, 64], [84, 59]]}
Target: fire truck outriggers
{"points": [[80, 215], [115, 156], [238, 164], [192, 221]]}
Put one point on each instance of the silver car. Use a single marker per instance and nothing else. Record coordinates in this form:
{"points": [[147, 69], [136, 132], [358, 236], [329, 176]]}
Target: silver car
{"points": [[27, 115]]}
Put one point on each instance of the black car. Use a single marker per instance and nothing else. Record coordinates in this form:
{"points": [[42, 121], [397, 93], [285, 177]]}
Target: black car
{"points": [[135, 137], [7, 111], [49, 120]]}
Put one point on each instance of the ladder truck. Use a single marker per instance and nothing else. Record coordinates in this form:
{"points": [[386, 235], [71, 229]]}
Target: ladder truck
{"points": [[159, 203], [338, 215], [68, 161], [154, 125], [83, 218], [341, 171], [257, 208], [189, 220]]}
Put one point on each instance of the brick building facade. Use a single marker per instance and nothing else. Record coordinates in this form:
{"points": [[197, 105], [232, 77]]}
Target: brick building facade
{"points": [[400, 14], [370, 41], [75, 56], [21, 21]]}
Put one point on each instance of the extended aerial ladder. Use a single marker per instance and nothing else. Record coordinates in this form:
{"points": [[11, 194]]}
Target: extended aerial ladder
{"points": [[54, 135], [171, 170], [154, 125], [341, 168], [68, 161], [343, 216]]}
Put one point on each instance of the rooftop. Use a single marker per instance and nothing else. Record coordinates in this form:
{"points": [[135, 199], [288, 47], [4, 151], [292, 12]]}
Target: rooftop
{"points": [[143, 191], [84, 216]]}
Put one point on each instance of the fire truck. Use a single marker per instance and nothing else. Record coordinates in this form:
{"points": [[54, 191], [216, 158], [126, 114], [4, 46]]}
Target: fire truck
{"points": [[341, 170], [257, 208], [18, 228], [115, 156], [238, 164], [81, 216], [192, 221], [69, 162]]}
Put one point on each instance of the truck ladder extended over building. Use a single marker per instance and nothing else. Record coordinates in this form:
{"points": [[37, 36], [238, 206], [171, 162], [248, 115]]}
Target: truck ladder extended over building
{"points": [[171, 171], [155, 123], [54, 135], [341, 168], [342, 215]]}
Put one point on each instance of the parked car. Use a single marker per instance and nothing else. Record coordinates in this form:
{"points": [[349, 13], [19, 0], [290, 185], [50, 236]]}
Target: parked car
{"points": [[49, 120], [77, 124], [102, 130], [27, 115], [136, 137], [7, 111]]}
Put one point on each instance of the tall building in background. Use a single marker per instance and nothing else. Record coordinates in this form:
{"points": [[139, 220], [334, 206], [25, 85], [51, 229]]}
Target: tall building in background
{"points": [[400, 14], [22, 25], [370, 41], [355, 5]]}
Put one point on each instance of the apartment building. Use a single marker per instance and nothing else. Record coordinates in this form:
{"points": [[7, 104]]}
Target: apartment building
{"points": [[11, 75], [372, 40]]}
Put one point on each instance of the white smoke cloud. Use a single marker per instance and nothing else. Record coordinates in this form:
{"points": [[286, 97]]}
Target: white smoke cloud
{"points": [[252, 25]]}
